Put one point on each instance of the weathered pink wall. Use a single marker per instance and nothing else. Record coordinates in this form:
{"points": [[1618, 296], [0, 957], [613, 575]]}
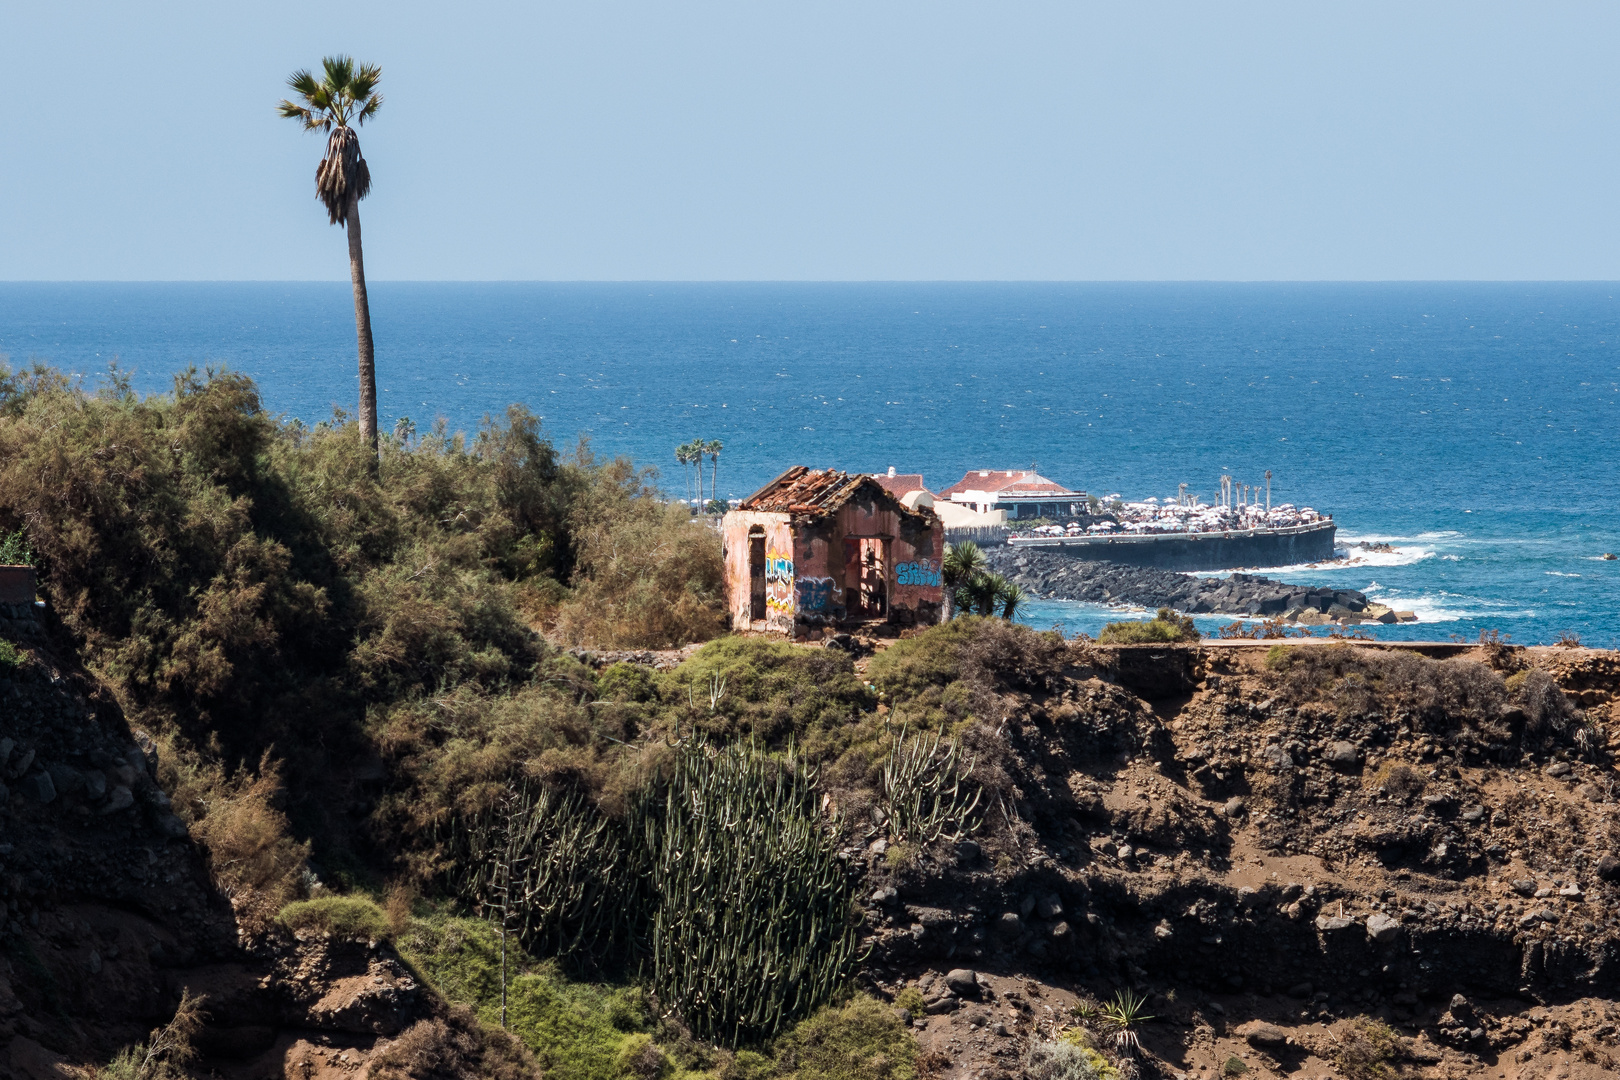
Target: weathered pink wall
{"points": [[805, 586], [779, 605]]}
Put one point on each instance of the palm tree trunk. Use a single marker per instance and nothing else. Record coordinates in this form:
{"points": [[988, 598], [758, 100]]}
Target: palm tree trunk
{"points": [[714, 477], [362, 330]]}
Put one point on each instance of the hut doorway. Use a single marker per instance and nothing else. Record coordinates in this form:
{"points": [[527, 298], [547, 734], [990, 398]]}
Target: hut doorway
{"points": [[866, 577], [756, 573]]}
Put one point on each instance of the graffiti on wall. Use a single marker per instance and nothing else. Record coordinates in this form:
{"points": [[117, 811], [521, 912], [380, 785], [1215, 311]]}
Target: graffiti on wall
{"points": [[779, 582], [921, 572], [815, 593], [778, 566]]}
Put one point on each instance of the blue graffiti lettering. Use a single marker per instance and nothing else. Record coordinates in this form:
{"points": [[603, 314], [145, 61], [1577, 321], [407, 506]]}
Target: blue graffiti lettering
{"points": [[921, 572], [778, 566], [814, 593]]}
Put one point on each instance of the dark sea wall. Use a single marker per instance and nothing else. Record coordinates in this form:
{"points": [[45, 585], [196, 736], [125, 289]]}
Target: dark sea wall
{"points": [[1054, 576], [1208, 551]]}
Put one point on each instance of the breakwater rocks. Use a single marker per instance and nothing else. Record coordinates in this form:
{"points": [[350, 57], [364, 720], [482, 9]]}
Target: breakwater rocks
{"points": [[1054, 576]]}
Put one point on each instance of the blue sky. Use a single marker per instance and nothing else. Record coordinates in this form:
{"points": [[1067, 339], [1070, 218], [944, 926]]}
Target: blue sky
{"points": [[824, 141]]}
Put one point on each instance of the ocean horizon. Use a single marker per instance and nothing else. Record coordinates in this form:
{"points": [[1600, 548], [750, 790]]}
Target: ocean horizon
{"points": [[1471, 426]]}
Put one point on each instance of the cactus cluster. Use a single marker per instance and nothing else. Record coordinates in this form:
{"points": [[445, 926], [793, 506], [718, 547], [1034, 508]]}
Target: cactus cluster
{"points": [[723, 883], [750, 919], [556, 864], [927, 794]]}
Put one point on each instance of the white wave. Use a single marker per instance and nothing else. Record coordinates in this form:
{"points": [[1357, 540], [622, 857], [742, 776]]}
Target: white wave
{"points": [[1452, 558], [1349, 559], [1447, 607], [1558, 573]]}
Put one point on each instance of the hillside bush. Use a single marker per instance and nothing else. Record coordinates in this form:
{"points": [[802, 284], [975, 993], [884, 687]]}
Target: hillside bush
{"points": [[244, 584], [1165, 627], [863, 1039], [337, 916]]}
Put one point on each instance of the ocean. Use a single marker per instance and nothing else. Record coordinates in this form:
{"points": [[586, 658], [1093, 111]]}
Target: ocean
{"points": [[1473, 427]]}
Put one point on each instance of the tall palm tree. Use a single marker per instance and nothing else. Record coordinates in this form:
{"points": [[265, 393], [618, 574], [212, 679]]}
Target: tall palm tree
{"points": [[683, 458], [712, 448], [695, 459], [343, 98]]}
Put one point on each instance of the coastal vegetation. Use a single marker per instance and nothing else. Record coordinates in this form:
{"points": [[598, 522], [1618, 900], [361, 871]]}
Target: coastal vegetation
{"points": [[287, 621], [1165, 626]]}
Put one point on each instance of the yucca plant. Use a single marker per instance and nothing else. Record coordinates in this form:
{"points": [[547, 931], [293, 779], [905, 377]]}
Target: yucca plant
{"points": [[1124, 1012]]}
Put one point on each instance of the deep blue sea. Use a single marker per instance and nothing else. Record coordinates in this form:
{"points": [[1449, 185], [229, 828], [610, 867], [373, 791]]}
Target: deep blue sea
{"points": [[1473, 426]]}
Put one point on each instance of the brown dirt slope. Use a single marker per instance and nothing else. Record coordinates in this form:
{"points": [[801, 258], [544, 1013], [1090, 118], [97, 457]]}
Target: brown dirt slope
{"points": [[1274, 842], [109, 911]]}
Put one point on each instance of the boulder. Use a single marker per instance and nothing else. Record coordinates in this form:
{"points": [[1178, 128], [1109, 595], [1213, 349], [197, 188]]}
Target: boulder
{"points": [[1263, 1035], [68, 780], [1049, 907], [39, 787], [95, 784], [1608, 868], [963, 982], [1558, 768], [1382, 928], [121, 798], [1234, 807], [1329, 924], [1343, 756]]}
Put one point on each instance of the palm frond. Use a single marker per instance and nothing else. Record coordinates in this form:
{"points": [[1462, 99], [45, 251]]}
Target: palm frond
{"points": [[346, 91], [364, 81], [339, 71], [303, 83]]}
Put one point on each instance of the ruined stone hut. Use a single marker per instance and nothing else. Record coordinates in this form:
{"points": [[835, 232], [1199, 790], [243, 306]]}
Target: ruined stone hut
{"points": [[819, 549]]}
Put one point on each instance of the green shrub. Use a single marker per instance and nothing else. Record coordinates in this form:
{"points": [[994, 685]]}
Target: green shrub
{"points": [[14, 550], [1367, 1050], [772, 690], [861, 1040], [1233, 1067], [11, 657], [640, 1058], [576, 1030], [336, 916], [1166, 626], [911, 1000], [1071, 1057]]}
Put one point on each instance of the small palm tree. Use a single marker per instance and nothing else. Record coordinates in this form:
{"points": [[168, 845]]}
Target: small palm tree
{"points": [[343, 98], [985, 590], [962, 563], [1010, 594]]}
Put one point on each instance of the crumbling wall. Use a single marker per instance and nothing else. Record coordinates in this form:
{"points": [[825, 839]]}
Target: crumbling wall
{"points": [[780, 606]]}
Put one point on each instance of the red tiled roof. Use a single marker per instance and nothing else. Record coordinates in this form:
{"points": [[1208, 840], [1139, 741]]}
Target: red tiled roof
{"points": [[1011, 481], [802, 490], [901, 484]]}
